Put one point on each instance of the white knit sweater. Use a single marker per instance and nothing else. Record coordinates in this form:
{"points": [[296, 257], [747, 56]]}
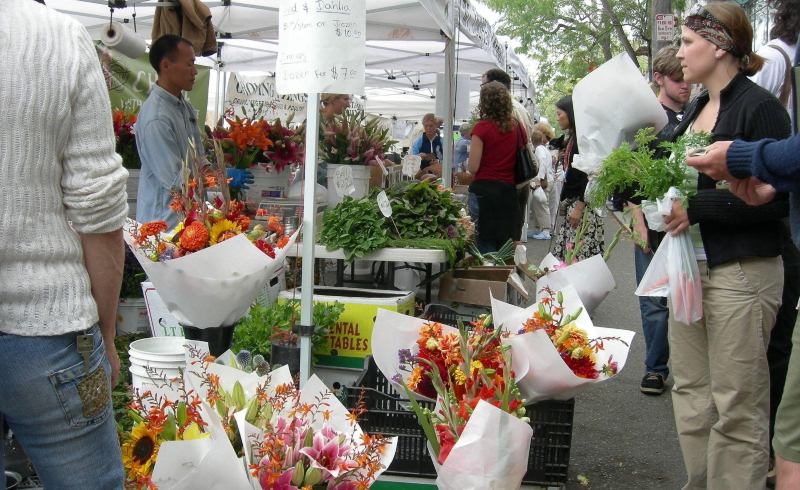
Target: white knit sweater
{"points": [[59, 175]]}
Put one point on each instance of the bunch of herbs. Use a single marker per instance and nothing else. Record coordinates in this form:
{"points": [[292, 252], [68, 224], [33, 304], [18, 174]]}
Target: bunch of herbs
{"points": [[355, 226]]}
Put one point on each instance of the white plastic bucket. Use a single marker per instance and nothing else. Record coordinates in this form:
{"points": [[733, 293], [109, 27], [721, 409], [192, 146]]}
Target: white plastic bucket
{"points": [[164, 358], [132, 316], [361, 174], [267, 185]]}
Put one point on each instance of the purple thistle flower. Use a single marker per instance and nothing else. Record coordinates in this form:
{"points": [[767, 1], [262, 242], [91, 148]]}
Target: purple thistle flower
{"points": [[405, 356], [397, 378]]}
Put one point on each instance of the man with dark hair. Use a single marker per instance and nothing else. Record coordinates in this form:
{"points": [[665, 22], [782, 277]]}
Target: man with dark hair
{"points": [[497, 75], [673, 93]]}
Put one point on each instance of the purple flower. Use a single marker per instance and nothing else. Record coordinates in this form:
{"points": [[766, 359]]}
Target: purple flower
{"points": [[397, 378], [405, 356], [452, 232]]}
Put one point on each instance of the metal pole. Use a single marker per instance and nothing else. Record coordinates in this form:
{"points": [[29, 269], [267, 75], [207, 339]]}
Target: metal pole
{"points": [[447, 137], [309, 232]]}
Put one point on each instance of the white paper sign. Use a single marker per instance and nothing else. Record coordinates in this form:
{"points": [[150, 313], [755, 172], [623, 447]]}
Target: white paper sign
{"points": [[343, 180], [259, 97], [383, 204], [665, 27], [322, 46], [162, 323]]}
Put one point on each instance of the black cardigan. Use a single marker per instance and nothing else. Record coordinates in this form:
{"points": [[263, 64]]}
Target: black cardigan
{"points": [[575, 181], [731, 229]]}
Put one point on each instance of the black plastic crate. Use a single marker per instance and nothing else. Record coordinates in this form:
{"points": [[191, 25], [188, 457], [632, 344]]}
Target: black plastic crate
{"points": [[389, 414]]}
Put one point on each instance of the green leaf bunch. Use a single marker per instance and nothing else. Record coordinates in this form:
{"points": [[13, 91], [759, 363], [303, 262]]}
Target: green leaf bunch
{"points": [[354, 225], [420, 210]]}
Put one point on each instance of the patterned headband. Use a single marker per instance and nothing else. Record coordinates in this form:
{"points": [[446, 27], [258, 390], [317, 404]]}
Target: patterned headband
{"points": [[711, 29]]}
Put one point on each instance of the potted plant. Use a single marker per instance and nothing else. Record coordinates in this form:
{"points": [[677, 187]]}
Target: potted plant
{"points": [[267, 330], [126, 148], [131, 311]]}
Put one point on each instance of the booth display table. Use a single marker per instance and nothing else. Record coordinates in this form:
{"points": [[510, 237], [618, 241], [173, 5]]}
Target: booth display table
{"points": [[391, 256]]}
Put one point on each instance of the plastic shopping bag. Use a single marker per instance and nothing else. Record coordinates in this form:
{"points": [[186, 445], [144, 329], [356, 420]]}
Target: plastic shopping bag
{"points": [[673, 273]]}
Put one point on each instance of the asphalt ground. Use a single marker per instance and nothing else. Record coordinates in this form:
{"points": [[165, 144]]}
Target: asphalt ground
{"points": [[621, 438]]}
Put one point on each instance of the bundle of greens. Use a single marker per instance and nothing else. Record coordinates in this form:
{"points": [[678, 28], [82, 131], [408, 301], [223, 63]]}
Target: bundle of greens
{"points": [[626, 167], [355, 226]]}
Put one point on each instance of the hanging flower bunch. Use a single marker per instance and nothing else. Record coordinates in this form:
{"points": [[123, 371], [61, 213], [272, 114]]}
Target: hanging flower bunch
{"points": [[287, 145], [244, 142], [461, 369], [572, 343], [157, 420], [126, 138], [351, 139]]}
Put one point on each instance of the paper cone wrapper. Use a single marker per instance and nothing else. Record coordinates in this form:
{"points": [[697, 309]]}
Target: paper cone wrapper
{"points": [[215, 286], [540, 372], [591, 278], [394, 331], [209, 463], [628, 104], [492, 452]]}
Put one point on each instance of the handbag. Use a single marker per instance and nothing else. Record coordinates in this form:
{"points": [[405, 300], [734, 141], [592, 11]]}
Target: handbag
{"points": [[524, 167]]}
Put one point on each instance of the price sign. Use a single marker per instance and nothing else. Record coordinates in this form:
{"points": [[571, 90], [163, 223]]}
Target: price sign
{"points": [[665, 27], [343, 180], [384, 205]]}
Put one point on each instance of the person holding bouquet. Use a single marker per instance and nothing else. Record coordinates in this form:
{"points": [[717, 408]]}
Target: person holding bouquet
{"points": [[721, 378], [591, 240]]}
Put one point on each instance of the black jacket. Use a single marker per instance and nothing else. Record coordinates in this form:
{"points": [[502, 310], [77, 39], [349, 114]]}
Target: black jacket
{"points": [[730, 228], [575, 181]]}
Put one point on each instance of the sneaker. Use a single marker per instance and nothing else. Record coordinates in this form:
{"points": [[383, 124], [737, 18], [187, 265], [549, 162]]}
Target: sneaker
{"points": [[540, 235], [652, 384]]}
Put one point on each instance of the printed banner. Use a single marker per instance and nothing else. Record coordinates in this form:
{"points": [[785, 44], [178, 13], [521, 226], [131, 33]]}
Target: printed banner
{"points": [[257, 97], [129, 81]]}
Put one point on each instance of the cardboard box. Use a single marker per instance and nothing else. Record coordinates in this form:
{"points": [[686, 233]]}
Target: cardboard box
{"points": [[349, 340], [472, 286]]}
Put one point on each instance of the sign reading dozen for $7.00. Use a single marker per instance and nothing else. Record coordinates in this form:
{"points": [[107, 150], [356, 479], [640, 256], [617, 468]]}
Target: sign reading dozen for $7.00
{"points": [[322, 46]]}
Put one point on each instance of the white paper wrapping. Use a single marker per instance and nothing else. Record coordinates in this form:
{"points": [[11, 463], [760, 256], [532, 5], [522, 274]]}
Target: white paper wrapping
{"points": [[591, 278], [208, 463], [492, 452], [627, 105], [123, 40], [214, 286], [394, 331], [540, 372]]}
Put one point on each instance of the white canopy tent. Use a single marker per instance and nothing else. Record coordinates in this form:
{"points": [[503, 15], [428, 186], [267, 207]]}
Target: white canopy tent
{"points": [[406, 42]]}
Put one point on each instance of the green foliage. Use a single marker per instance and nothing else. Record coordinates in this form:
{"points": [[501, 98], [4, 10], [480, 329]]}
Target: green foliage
{"points": [[264, 325], [355, 226], [419, 210], [132, 277], [653, 177], [449, 247]]}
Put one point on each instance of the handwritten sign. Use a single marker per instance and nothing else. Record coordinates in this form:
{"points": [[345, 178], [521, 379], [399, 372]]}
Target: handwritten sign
{"points": [[665, 27], [411, 165], [343, 180], [322, 46], [383, 204]]}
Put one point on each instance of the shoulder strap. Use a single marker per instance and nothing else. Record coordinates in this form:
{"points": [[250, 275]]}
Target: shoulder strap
{"points": [[786, 88]]}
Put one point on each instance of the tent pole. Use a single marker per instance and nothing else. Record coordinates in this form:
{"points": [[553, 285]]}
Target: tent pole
{"points": [[447, 137], [309, 222]]}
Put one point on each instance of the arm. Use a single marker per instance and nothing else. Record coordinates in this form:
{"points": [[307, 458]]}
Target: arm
{"points": [[416, 146], [773, 162], [93, 186], [475, 153], [104, 257]]}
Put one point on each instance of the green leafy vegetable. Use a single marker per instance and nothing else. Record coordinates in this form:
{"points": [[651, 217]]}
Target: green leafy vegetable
{"points": [[355, 226]]}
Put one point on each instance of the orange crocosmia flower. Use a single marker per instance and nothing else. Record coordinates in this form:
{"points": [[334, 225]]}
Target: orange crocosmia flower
{"points": [[273, 223], [326, 415], [352, 417], [210, 180], [194, 237], [282, 241], [243, 222]]}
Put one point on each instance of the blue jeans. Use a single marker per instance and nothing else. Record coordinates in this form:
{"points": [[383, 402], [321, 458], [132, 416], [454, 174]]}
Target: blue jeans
{"points": [[472, 209], [62, 418], [655, 317]]}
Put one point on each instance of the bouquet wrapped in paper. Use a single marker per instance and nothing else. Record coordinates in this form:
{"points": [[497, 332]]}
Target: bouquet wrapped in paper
{"points": [[306, 438], [591, 278], [557, 354], [209, 268], [477, 433]]}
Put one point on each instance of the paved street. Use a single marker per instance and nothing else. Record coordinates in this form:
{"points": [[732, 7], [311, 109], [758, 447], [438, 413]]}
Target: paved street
{"points": [[622, 439]]}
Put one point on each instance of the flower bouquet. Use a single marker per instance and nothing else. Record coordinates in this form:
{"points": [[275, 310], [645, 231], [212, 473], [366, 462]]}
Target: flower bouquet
{"points": [[556, 354], [477, 434], [308, 439], [288, 145], [244, 142], [126, 138], [351, 139], [209, 268], [591, 278], [179, 443]]}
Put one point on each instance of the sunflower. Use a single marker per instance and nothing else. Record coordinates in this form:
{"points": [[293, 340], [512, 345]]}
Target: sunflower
{"points": [[140, 451], [222, 230]]}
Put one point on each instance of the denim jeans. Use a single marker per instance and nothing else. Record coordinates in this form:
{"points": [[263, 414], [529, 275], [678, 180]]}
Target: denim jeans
{"points": [[62, 418], [655, 318]]}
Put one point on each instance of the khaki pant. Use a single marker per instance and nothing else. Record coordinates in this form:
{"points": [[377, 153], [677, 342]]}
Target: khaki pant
{"points": [[719, 364], [786, 441]]}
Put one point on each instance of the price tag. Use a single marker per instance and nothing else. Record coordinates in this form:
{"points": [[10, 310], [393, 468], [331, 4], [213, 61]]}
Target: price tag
{"points": [[384, 205], [411, 165], [343, 181]]}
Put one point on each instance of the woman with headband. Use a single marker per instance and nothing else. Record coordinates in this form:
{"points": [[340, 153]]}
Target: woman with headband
{"points": [[721, 392]]}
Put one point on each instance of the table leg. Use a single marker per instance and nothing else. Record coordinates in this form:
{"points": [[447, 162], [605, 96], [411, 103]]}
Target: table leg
{"points": [[339, 273], [428, 273]]}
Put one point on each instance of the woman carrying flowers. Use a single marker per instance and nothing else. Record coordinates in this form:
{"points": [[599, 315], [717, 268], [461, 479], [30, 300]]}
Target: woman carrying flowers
{"points": [[721, 392]]}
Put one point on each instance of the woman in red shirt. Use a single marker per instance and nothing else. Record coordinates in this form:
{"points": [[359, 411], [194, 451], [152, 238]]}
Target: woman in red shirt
{"points": [[493, 149]]}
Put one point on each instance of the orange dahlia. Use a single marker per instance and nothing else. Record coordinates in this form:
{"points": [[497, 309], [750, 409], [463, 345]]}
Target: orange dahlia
{"points": [[194, 237], [151, 228]]}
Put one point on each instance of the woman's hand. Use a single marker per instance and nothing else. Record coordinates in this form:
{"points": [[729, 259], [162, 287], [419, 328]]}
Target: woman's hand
{"points": [[677, 221], [574, 216]]}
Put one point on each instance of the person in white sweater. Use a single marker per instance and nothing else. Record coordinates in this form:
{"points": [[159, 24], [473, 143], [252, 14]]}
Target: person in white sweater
{"points": [[62, 208]]}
